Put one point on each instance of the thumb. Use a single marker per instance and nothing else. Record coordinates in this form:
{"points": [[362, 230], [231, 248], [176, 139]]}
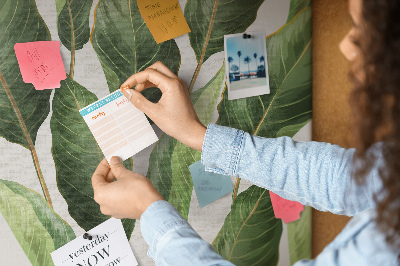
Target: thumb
{"points": [[139, 101], [117, 168]]}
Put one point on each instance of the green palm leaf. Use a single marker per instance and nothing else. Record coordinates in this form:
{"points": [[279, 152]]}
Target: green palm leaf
{"points": [[23, 109], [299, 237], [37, 228], [296, 6], [73, 25], [169, 161], [210, 20], [76, 155], [251, 233], [124, 44], [286, 109]]}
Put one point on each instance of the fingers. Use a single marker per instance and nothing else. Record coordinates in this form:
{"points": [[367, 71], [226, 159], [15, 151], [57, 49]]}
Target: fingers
{"points": [[99, 176], [149, 75], [160, 67], [110, 177], [143, 86], [140, 102], [117, 168]]}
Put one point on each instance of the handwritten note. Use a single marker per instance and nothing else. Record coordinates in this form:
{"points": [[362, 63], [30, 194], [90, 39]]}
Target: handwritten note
{"points": [[41, 63], [108, 246], [164, 18], [284, 209], [118, 126], [209, 186]]}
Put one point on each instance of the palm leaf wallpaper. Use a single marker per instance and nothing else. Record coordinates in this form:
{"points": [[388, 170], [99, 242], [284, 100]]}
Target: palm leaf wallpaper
{"points": [[48, 153]]}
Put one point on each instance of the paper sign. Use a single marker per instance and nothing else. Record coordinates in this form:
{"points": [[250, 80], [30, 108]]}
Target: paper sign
{"points": [[209, 186], [41, 63], [164, 18], [284, 209], [118, 126], [109, 246]]}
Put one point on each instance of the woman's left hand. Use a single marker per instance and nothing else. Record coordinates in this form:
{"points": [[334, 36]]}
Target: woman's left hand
{"points": [[128, 196]]}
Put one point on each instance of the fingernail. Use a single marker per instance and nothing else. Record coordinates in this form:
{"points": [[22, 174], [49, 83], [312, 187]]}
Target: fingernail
{"points": [[127, 93], [115, 160], [124, 88]]}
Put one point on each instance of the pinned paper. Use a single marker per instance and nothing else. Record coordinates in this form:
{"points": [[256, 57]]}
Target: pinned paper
{"points": [[164, 18], [209, 186], [288, 211], [106, 245], [247, 66], [41, 63], [118, 126]]}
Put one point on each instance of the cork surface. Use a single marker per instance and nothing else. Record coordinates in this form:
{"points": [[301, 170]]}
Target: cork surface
{"points": [[331, 89]]}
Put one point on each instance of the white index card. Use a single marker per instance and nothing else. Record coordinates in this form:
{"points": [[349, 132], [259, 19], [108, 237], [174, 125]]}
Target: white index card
{"points": [[118, 126]]}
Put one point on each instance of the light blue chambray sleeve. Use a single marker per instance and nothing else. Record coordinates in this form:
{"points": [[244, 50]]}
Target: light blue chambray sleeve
{"points": [[171, 239], [312, 173]]}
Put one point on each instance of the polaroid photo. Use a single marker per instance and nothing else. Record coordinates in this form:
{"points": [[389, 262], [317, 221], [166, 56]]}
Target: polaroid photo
{"points": [[246, 64]]}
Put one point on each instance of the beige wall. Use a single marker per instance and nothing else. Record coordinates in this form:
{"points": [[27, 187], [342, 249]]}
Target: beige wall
{"points": [[331, 88]]}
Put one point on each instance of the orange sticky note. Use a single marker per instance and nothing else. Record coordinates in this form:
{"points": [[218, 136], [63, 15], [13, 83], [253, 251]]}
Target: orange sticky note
{"points": [[164, 18], [284, 209], [41, 63]]}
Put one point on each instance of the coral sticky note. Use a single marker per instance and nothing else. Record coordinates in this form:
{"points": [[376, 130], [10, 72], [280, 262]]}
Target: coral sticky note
{"points": [[41, 63], [284, 209], [164, 18]]}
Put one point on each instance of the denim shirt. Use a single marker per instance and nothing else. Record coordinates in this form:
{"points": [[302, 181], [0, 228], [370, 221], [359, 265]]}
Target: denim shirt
{"points": [[312, 173]]}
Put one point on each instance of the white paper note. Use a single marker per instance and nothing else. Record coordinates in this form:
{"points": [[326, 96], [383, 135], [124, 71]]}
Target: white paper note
{"points": [[118, 126], [108, 247]]}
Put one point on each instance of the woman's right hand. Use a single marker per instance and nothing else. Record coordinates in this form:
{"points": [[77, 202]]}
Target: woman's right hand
{"points": [[174, 113]]}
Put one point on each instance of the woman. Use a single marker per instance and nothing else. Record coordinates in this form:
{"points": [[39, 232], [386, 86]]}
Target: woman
{"points": [[317, 174]]}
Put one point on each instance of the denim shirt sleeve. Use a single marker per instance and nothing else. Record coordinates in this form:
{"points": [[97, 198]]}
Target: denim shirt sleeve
{"points": [[312, 173], [171, 239]]}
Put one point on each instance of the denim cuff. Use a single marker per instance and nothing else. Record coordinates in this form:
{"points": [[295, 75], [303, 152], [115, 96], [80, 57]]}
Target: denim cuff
{"points": [[222, 148]]}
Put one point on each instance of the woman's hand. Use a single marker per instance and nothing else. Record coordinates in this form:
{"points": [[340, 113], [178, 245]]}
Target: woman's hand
{"points": [[174, 113], [128, 196]]}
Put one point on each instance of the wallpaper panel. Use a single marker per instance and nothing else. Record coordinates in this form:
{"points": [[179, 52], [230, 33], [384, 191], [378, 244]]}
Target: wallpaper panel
{"points": [[38, 167]]}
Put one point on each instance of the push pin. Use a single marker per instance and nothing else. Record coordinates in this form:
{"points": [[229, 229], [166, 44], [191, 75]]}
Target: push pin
{"points": [[246, 36], [87, 236]]}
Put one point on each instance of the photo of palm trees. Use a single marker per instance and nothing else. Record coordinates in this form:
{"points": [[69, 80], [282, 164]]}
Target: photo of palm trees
{"points": [[247, 71]]}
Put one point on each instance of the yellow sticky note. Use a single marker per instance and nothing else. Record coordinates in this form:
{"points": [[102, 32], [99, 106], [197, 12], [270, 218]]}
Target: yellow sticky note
{"points": [[164, 18]]}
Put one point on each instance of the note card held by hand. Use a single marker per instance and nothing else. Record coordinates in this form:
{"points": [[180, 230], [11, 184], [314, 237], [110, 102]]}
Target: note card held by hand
{"points": [[288, 211], [118, 126], [164, 18], [41, 63], [209, 186]]}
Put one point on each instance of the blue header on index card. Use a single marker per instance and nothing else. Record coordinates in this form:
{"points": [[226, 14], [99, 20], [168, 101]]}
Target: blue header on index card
{"points": [[100, 103]]}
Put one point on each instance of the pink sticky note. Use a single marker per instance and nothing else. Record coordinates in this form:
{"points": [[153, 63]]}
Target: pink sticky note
{"points": [[284, 209], [41, 63]]}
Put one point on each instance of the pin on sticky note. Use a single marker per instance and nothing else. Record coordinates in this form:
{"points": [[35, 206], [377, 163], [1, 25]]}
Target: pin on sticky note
{"points": [[164, 18], [209, 186], [288, 211], [41, 63]]}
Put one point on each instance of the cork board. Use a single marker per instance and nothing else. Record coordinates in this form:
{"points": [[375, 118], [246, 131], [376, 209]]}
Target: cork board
{"points": [[331, 89]]}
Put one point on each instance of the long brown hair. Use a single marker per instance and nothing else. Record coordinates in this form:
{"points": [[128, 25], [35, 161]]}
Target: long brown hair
{"points": [[376, 107]]}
